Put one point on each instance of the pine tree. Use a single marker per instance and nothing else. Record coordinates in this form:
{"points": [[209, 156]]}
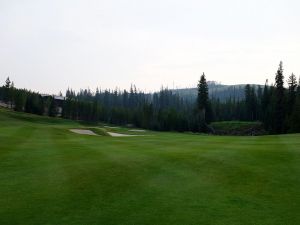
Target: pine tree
{"points": [[265, 97], [266, 106], [279, 102], [292, 82], [202, 101], [251, 103], [295, 118], [248, 104], [259, 103], [20, 100], [6, 92], [11, 93], [7, 83]]}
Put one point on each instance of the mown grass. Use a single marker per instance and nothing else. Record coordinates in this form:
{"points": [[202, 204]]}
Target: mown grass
{"points": [[49, 175], [98, 131]]}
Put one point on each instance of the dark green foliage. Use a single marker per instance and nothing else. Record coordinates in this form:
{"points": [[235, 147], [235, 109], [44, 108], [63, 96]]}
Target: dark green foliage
{"points": [[265, 106], [292, 82], [52, 107], [203, 105], [279, 102], [160, 111], [6, 93], [20, 98], [202, 99], [290, 101], [7, 83], [34, 104], [276, 107], [251, 103], [295, 116], [238, 128]]}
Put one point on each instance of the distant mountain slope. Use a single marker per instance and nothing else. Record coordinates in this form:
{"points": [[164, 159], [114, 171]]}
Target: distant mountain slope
{"points": [[217, 91]]}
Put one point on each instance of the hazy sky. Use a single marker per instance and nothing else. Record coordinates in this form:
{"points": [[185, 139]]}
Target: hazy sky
{"points": [[50, 45]]}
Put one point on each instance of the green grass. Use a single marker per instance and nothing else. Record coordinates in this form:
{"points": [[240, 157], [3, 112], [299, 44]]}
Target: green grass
{"points": [[49, 175], [98, 131]]}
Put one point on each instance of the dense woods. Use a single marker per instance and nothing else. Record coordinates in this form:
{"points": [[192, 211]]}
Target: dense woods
{"points": [[277, 106]]}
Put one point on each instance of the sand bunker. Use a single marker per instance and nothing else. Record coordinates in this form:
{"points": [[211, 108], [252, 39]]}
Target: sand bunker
{"points": [[137, 130], [112, 134], [81, 131]]}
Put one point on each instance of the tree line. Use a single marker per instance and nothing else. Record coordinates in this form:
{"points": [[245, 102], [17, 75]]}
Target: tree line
{"points": [[276, 106]]}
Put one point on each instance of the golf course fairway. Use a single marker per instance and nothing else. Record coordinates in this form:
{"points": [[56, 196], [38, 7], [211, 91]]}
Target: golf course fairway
{"points": [[50, 175]]}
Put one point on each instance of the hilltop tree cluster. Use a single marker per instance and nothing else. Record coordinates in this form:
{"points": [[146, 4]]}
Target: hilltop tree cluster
{"points": [[276, 106]]}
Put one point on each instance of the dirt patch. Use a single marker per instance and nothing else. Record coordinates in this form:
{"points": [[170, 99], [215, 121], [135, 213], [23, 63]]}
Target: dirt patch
{"points": [[85, 132]]}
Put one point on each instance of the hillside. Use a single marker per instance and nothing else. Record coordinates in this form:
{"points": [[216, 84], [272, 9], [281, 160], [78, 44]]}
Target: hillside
{"points": [[217, 91]]}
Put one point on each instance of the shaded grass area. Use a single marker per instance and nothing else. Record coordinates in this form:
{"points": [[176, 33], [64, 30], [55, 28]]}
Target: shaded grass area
{"points": [[49, 175]]}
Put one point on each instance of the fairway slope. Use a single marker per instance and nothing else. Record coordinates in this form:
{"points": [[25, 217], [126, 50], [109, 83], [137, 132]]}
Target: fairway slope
{"points": [[49, 175]]}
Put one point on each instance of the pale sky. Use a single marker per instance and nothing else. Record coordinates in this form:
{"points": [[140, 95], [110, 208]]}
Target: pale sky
{"points": [[50, 45]]}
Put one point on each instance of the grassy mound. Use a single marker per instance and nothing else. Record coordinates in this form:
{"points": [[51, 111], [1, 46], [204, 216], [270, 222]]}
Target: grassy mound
{"points": [[99, 131]]}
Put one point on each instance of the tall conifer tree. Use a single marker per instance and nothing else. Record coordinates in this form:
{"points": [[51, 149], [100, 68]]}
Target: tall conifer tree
{"points": [[279, 100], [202, 101], [292, 82]]}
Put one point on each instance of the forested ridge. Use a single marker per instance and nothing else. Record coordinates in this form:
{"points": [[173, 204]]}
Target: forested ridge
{"points": [[216, 91], [276, 105]]}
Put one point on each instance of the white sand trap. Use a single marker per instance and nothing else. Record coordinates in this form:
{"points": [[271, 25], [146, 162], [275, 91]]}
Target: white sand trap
{"points": [[122, 135], [81, 131], [137, 130]]}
